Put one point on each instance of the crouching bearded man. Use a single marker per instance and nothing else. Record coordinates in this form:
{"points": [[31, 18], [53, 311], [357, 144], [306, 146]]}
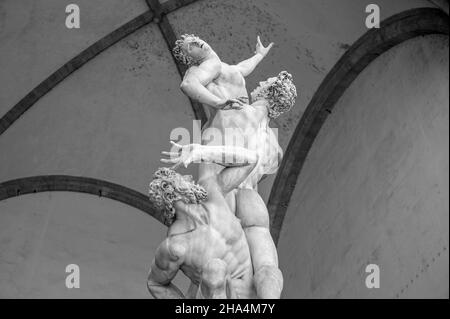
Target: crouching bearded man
{"points": [[205, 239]]}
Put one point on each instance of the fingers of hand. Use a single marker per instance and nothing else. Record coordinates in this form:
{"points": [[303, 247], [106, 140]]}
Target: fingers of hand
{"points": [[169, 161], [175, 144], [237, 106], [171, 154], [230, 102]]}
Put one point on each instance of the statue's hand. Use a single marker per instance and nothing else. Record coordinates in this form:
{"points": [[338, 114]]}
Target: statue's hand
{"points": [[261, 49], [232, 104], [183, 155]]}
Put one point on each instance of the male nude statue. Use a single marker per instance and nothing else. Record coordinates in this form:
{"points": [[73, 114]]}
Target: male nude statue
{"points": [[219, 85], [205, 239]]}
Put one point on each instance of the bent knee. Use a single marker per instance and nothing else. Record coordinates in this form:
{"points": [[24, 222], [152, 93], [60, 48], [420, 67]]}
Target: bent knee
{"points": [[269, 282], [269, 273]]}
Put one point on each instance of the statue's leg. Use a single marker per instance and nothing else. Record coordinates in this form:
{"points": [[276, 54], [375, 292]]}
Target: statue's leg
{"points": [[252, 211]]}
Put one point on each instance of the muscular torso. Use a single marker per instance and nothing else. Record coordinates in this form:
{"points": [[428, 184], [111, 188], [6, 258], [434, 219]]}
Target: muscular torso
{"points": [[221, 238], [229, 84]]}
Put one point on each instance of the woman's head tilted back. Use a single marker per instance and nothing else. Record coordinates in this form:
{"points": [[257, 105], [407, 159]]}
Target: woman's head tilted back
{"points": [[190, 49], [279, 91], [168, 186]]}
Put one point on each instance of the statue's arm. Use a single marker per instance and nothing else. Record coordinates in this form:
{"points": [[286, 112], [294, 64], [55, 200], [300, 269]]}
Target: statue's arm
{"points": [[231, 177], [247, 66], [238, 161], [228, 156], [164, 267]]}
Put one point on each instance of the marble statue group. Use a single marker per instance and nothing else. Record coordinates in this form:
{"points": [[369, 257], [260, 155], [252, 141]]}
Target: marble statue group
{"points": [[218, 232]]}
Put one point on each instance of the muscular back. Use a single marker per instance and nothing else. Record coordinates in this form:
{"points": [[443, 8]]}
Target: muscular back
{"points": [[241, 128], [219, 238]]}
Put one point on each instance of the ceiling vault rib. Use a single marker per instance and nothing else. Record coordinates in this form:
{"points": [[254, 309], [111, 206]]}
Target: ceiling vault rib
{"points": [[160, 12], [49, 183], [68, 68], [393, 31], [85, 56], [79, 184]]}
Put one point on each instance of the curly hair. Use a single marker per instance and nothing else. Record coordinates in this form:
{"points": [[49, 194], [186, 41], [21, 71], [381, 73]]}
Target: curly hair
{"points": [[178, 51], [165, 189], [281, 94]]}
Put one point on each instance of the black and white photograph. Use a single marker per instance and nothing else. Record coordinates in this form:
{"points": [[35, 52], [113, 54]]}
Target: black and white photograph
{"points": [[224, 149]]}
